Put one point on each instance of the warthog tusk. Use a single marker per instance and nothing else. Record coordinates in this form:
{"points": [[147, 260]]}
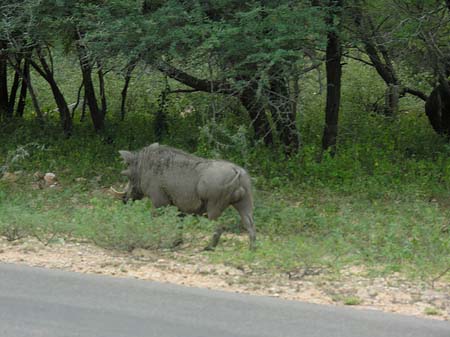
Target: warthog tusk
{"points": [[117, 192]]}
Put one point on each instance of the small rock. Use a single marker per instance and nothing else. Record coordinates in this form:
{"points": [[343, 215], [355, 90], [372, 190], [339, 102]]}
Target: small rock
{"points": [[80, 180], [50, 178], [9, 177], [143, 253], [37, 186], [372, 293], [38, 175], [202, 270]]}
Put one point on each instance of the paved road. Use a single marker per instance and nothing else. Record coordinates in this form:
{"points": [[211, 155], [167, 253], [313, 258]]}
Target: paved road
{"points": [[39, 302]]}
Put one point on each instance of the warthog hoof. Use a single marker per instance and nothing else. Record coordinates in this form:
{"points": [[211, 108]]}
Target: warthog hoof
{"points": [[177, 242], [209, 248]]}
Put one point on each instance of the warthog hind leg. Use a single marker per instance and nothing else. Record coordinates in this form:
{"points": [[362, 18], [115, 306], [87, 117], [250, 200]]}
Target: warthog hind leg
{"points": [[214, 212], [245, 209]]}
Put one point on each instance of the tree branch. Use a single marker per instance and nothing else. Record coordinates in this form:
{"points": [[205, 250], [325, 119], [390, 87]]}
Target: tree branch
{"points": [[416, 93], [38, 68], [310, 68], [177, 91], [191, 81], [360, 60]]}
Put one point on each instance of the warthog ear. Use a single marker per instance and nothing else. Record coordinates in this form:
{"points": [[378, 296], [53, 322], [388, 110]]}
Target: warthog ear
{"points": [[126, 173], [127, 156]]}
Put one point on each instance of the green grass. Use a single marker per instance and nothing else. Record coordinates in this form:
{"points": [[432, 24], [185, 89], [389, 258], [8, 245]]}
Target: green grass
{"points": [[352, 301], [347, 300], [430, 311]]}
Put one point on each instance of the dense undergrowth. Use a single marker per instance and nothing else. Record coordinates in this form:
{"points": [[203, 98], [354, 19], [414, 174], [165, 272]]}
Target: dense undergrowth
{"points": [[383, 201]]}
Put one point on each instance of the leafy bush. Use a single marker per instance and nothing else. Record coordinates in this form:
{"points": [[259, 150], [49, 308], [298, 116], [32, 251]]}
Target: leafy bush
{"points": [[17, 156], [126, 227]]}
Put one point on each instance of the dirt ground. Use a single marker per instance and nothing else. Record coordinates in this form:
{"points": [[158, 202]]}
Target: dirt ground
{"points": [[391, 294]]}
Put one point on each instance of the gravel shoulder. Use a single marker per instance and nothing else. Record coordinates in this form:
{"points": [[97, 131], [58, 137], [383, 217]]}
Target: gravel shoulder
{"points": [[352, 287]]}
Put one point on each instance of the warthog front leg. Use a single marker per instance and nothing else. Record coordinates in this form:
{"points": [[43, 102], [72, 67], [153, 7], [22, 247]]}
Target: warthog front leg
{"points": [[179, 234]]}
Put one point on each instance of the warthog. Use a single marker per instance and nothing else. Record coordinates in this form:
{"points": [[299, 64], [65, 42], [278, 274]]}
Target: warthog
{"points": [[194, 185]]}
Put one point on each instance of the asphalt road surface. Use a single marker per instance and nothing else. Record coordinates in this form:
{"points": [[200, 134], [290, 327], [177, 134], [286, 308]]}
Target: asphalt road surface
{"points": [[39, 302]]}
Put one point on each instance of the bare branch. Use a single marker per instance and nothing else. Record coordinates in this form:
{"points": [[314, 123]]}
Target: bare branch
{"points": [[310, 68], [416, 93], [178, 91], [360, 60], [192, 81]]}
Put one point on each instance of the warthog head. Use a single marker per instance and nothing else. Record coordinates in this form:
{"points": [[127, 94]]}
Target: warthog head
{"points": [[132, 190]]}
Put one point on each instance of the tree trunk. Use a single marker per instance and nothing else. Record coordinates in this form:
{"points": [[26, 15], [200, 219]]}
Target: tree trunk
{"points": [[83, 110], [256, 111], [34, 100], [101, 83], [3, 80], [78, 99], [391, 100], [437, 108], [23, 89], [334, 71], [13, 93], [47, 74], [160, 125], [130, 69], [283, 114], [66, 119], [89, 92]]}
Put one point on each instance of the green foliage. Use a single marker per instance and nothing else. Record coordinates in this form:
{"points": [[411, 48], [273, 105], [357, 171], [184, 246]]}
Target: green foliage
{"points": [[15, 224], [126, 227], [15, 158], [353, 300], [431, 311], [24, 216]]}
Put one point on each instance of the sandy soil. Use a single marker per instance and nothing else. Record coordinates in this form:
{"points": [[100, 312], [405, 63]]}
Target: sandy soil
{"points": [[392, 294]]}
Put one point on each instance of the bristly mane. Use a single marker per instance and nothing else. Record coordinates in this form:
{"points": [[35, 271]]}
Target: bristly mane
{"points": [[160, 157]]}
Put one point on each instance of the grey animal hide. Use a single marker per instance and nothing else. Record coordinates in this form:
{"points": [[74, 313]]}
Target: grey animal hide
{"points": [[194, 185]]}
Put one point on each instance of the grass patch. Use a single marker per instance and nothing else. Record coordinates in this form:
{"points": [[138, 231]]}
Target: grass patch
{"points": [[431, 311], [347, 300], [353, 300]]}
